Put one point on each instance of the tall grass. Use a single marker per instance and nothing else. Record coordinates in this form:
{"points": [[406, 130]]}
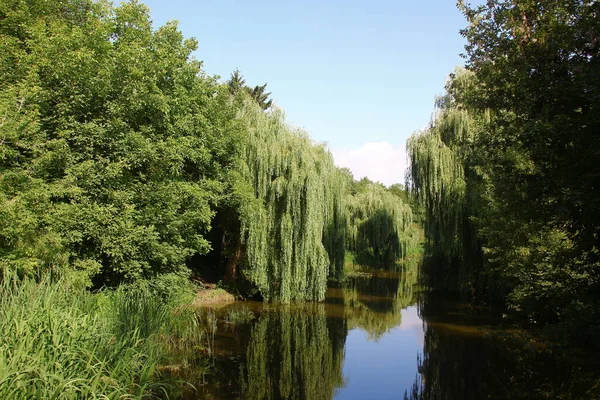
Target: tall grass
{"points": [[57, 340]]}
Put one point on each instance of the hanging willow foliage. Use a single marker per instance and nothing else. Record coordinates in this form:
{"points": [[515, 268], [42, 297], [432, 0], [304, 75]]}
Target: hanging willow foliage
{"points": [[439, 175], [438, 181], [335, 234], [296, 207], [380, 227]]}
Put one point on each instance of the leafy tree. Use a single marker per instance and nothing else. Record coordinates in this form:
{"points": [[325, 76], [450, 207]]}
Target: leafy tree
{"points": [[442, 182], [537, 64], [236, 82], [507, 171], [262, 98], [380, 228], [290, 208], [116, 146]]}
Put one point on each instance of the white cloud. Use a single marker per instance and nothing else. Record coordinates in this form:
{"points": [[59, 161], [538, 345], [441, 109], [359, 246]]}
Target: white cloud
{"points": [[378, 161]]}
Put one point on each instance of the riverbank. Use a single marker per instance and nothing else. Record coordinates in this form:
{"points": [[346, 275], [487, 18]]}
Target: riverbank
{"points": [[59, 340], [212, 296]]}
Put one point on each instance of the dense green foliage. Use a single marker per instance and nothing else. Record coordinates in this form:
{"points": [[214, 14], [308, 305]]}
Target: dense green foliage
{"points": [[441, 182], [117, 151], [380, 225], [508, 173], [295, 200], [113, 145]]}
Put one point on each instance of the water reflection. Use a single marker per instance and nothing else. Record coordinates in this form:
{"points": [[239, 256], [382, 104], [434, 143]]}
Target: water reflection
{"points": [[296, 353], [370, 340], [468, 355], [373, 301]]}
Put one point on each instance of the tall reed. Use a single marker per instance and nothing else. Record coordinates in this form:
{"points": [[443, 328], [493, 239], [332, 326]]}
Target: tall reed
{"points": [[57, 340]]}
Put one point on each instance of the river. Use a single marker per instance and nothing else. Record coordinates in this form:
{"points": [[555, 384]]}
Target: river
{"points": [[375, 338]]}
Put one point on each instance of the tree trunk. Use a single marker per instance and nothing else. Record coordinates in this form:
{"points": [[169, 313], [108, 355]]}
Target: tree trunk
{"points": [[233, 261]]}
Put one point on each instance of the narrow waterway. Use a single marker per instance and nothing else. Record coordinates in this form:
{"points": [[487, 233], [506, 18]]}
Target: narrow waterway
{"points": [[372, 339]]}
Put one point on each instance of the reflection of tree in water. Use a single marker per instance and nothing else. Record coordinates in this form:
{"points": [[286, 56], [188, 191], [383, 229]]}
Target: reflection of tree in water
{"points": [[296, 353], [461, 361], [374, 303]]}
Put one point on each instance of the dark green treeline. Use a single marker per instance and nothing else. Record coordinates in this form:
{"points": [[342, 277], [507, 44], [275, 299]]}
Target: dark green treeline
{"points": [[121, 159], [508, 171]]}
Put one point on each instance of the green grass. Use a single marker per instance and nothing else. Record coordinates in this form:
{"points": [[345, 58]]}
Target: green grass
{"points": [[58, 340]]}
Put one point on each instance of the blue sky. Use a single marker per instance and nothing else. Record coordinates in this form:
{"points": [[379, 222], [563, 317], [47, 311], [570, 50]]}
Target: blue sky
{"points": [[359, 75]]}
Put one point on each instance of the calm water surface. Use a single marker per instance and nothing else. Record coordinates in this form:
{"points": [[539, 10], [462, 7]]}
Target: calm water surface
{"points": [[371, 340]]}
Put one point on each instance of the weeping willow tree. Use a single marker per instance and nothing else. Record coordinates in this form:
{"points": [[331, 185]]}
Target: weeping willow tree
{"points": [[335, 234], [441, 178], [306, 360], [292, 219], [380, 227], [437, 176]]}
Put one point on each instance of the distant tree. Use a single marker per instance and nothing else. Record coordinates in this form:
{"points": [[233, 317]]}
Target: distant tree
{"points": [[236, 82], [380, 229], [262, 98], [399, 190]]}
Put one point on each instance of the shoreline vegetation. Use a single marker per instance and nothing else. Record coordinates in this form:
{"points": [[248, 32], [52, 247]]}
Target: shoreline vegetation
{"points": [[507, 171], [62, 341], [126, 170]]}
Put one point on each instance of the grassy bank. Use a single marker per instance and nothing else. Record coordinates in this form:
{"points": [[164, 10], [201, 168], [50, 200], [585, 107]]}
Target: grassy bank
{"points": [[57, 340]]}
